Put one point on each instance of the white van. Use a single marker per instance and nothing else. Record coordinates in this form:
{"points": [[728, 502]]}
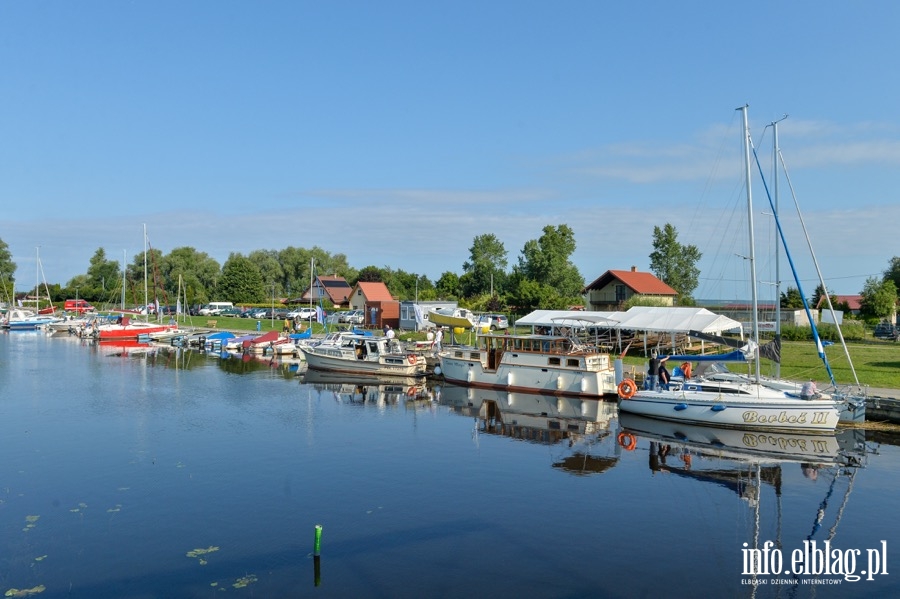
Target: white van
{"points": [[213, 308]]}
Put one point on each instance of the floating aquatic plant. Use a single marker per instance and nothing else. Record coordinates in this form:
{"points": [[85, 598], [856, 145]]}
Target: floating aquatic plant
{"points": [[25, 592], [198, 553], [117, 508], [40, 558], [30, 522], [244, 581]]}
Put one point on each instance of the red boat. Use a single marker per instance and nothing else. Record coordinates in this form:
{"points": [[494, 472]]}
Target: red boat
{"points": [[126, 329]]}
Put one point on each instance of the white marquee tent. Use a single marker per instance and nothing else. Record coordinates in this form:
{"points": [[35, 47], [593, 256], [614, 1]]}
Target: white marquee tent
{"points": [[659, 320]]}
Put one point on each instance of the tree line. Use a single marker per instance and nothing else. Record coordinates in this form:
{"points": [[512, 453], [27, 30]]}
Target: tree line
{"points": [[542, 277]]}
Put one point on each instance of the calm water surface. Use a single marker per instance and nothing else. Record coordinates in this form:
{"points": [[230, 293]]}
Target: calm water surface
{"points": [[178, 474]]}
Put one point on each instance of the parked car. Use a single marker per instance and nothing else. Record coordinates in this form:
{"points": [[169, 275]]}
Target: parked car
{"points": [[353, 317], [498, 321], [231, 312], [885, 330], [302, 313], [79, 306], [254, 313]]}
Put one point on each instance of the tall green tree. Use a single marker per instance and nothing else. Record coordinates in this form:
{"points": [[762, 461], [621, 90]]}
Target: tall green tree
{"points": [[371, 274], [134, 275], [198, 273], [892, 272], [674, 263], [791, 299], [879, 298], [7, 272], [241, 281], [270, 270], [547, 260], [103, 276], [485, 270], [447, 286]]}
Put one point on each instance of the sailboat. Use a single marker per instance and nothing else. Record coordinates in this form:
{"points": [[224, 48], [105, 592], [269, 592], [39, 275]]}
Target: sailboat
{"points": [[23, 319], [125, 328], [747, 404]]}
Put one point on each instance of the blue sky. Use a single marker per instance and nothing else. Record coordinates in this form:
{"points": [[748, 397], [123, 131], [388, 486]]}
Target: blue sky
{"points": [[397, 132]]}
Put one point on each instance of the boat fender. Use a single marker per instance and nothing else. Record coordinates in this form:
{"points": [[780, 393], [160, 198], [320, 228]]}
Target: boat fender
{"points": [[680, 406], [627, 441], [627, 388], [718, 407]]}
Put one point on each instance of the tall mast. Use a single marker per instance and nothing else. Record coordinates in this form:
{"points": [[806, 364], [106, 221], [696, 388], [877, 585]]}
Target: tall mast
{"points": [[37, 279], [754, 303], [775, 152], [146, 305], [124, 269]]}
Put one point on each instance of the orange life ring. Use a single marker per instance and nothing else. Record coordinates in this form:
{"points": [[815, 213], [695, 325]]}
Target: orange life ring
{"points": [[627, 388], [627, 441], [411, 358], [411, 392]]}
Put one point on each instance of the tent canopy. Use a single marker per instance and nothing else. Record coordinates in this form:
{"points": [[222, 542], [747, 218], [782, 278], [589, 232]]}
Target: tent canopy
{"points": [[638, 318]]}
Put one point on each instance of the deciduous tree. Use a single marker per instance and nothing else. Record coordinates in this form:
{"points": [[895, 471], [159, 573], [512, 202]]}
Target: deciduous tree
{"points": [[547, 260], [675, 264]]}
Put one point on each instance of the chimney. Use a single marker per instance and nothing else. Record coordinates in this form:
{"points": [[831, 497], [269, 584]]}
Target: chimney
{"points": [[634, 269]]}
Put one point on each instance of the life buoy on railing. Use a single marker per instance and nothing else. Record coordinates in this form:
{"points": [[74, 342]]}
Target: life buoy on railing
{"points": [[627, 441], [627, 388], [411, 358], [411, 392]]}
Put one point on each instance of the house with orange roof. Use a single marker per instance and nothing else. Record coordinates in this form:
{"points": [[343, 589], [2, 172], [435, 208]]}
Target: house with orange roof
{"points": [[377, 303], [331, 287], [612, 289], [853, 302]]}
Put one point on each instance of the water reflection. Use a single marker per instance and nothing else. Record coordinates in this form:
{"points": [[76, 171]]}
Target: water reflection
{"points": [[579, 426], [361, 389]]}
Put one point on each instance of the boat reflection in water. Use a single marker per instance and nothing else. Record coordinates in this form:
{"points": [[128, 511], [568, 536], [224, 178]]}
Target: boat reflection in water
{"points": [[842, 448], [577, 426], [368, 389], [123, 348]]}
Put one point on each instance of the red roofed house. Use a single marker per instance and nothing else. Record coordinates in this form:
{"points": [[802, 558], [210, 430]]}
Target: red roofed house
{"points": [[376, 301], [852, 301], [333, 287], [615, 287]]}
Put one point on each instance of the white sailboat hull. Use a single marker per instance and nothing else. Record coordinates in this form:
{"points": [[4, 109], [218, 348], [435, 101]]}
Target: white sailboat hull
{"points": [[759, 409]]}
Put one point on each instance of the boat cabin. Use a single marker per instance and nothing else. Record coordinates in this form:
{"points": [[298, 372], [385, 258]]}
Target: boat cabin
{"points": [[553, 351]]}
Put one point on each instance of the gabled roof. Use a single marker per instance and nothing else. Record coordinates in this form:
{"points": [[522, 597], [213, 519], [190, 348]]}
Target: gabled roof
{"points": [[337, 288], [854, 301], [643, 283], [375, 291]]}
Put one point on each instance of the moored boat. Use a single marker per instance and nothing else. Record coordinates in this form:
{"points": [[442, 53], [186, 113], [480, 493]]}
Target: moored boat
{"points": [[743, 403], [19, 319], [554, 364], [362, 354], [129, 329]]}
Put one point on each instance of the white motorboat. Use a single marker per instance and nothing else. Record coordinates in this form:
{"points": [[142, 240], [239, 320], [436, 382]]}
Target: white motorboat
{"points": [[554, 364], [364, 354]]}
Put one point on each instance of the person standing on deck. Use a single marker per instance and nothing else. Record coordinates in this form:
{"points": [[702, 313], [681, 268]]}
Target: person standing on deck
{"points": [[653, 370]]}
